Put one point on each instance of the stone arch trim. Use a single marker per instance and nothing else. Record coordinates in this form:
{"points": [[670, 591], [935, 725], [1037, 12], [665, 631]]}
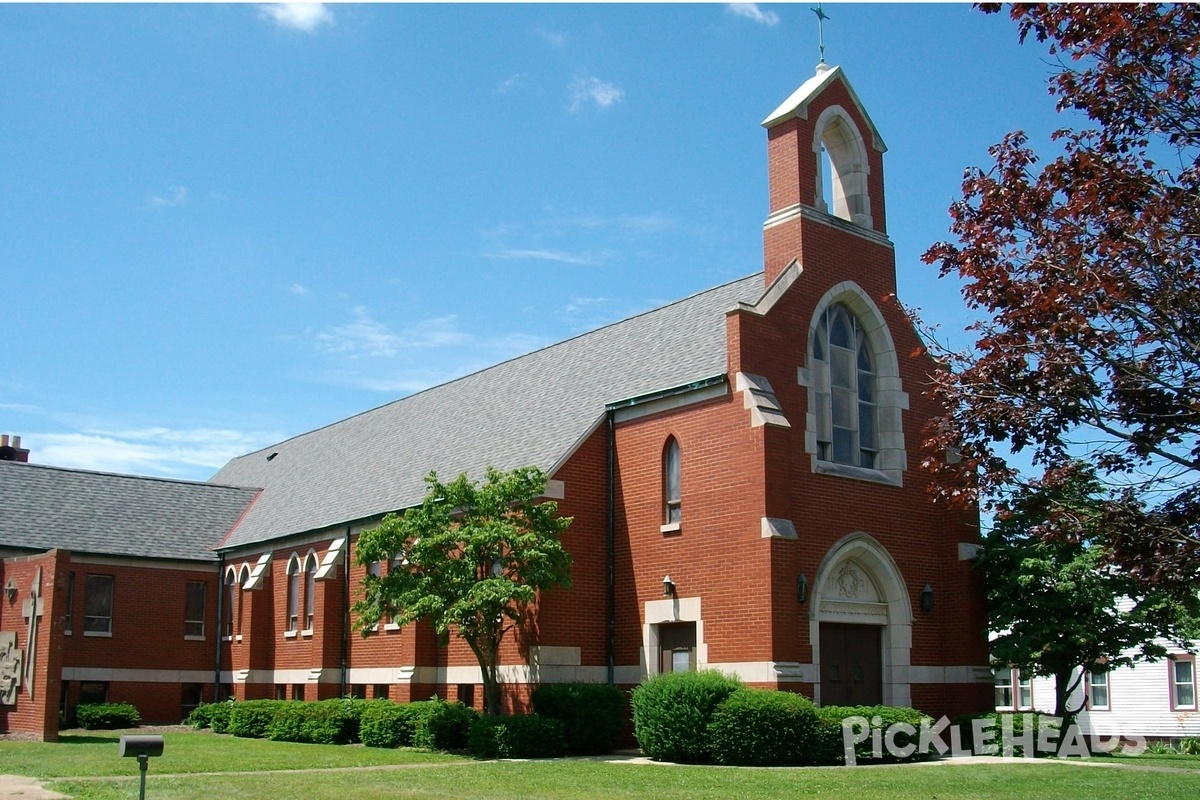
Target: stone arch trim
{"points": [[891, 399], [893, 611], [836, 133]]}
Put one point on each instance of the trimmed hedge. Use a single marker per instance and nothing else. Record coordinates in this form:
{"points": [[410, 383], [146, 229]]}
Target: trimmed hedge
{"points": [[671, 713], [386, 724], [201, 716], [530, 736], [445, 726], [1018, 718], [248, 719], [433, 724], [591, 714], [324, 722], [879, 718], [761, 728], [218, 717], [107, 716]]}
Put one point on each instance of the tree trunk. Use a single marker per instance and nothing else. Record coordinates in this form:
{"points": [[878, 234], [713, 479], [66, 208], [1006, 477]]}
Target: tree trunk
{"points": [[1065, 682], [487, 654]]}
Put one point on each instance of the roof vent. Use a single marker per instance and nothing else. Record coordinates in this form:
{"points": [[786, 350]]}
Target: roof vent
{"points": [[272, 456]]}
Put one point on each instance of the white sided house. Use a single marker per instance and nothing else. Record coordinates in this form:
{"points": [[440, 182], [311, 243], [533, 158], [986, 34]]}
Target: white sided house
{"points": [[1156, 700]]}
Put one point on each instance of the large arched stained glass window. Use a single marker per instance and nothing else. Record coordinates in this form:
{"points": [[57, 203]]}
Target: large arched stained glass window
{"points": [[845, 398]]}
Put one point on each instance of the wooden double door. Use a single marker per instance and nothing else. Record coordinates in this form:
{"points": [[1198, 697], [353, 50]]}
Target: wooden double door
{"points": [[851, 664]]}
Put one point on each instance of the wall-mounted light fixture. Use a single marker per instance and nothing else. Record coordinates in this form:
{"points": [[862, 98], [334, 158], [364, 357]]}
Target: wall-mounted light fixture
{"points": [[10, 590], [668, 586], [927, 599], [802, 588]]}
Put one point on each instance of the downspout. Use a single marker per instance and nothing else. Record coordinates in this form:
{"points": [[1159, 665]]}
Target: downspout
{"points": [[611, 414], [612, 585], [220, 611], [346, 616]]}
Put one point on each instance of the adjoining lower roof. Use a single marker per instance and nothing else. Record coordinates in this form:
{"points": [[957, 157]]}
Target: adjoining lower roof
{"points": [[118, 515], [532, 410]]}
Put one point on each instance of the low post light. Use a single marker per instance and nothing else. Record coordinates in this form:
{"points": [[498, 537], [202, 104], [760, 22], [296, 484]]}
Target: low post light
{"points": [[143, 748]]}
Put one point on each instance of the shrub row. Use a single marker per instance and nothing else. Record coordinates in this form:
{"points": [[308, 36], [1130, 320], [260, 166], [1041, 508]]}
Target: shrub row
{"points": [[591, 714], [879, 718], [671, 713], [531, 736], [577, 718], [432, 724], [323, 722], [706, 716], [107, 716], [760, 728], [999, 720]]}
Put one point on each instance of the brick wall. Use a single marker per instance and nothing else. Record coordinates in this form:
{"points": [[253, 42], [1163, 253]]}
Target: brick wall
{"points": [[145, 659], [35, 715]]}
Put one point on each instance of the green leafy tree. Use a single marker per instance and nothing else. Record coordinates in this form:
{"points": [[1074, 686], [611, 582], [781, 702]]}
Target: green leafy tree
{"points": [[1055, 607], [470, 560]]}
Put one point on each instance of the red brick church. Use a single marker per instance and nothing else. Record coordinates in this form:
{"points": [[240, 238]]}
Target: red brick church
{"points": [[741, 465]]}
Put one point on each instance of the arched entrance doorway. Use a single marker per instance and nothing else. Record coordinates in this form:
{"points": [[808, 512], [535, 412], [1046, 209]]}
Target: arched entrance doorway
{"points": [[860, 626]]}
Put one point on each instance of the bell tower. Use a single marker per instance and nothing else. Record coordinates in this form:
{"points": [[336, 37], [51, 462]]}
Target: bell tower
{"points": [[825, 171]]}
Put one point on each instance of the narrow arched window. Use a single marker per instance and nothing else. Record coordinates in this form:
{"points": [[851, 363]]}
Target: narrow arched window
{"points": [[310, 590], [293, 593], [672, 499], [845, 408], [231, 596], [242, 579]]}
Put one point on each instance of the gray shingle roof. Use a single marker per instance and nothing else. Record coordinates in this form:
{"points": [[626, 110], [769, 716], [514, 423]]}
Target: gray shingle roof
{"points": [[122, 515], [531, 410]]}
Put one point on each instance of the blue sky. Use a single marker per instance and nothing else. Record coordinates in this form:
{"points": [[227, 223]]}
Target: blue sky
{"points": [[224, 225]]}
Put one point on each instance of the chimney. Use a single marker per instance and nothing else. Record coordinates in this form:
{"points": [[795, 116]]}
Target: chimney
{"points": [[10, 449]]}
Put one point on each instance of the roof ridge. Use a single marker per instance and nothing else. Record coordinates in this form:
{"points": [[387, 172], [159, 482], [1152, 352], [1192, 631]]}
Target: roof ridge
{"points": [[130, 476], [499, 364]]}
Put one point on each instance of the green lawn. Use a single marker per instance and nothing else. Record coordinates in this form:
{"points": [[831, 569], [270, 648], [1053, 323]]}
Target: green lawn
{"points": [[433, 775], [95, 753]]}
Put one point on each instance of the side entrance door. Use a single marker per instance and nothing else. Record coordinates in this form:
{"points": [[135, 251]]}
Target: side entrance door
{"points": [[851, 665]]}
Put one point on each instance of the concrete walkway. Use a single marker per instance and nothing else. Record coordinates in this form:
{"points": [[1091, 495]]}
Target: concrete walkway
{"points": [[15, 786]]}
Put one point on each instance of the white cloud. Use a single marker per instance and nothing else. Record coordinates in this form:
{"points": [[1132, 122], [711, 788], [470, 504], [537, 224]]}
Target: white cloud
{"points": [[593, 90], [161, 451], [753, 12], [511, 82], [645, 223], [364, 336], [175, 196], [305, 17], [554, 39], [296, 288], [402, 359], [23, 408], [361, 336], [559, 256], [580, 304]]}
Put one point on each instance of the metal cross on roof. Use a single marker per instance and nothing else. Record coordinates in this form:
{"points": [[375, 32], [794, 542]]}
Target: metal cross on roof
{"points": [[821, 17]]}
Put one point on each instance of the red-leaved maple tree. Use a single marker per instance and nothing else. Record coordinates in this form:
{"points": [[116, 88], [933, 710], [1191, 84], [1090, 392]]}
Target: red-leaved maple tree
{"points": [[1085, 270]]}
